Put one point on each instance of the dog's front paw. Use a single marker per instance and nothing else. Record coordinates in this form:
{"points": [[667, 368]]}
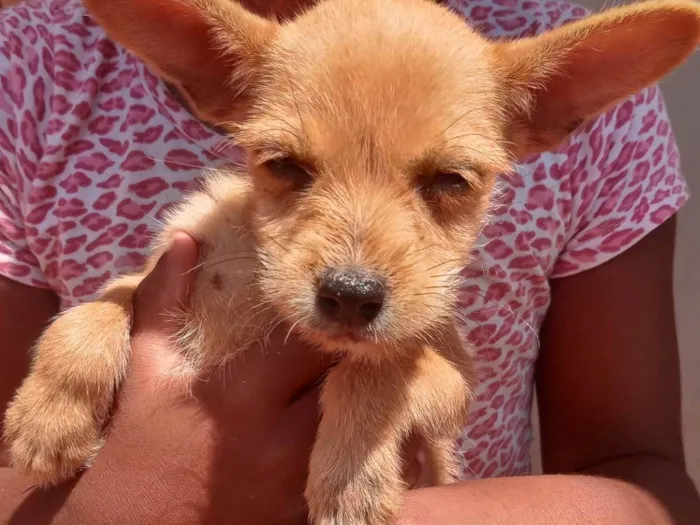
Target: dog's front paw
{"points": [[51, 436], [356, 503], [345, 513]]}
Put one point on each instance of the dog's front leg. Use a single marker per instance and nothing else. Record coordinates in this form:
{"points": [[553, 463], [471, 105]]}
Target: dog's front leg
{"points": [[53, 426], [439, 404], [355, 474]]}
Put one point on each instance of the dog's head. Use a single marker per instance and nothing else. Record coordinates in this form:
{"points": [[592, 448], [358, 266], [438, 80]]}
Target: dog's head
{"points": [[375, 129]]}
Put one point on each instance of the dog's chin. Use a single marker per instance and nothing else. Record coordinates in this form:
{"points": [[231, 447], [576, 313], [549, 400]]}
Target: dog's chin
{"points": [[356, 344], [344, 341], [340, 340]]}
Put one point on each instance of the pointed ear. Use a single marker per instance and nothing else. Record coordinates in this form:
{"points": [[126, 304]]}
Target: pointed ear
{"points": [[560, 79], [209, 49]]}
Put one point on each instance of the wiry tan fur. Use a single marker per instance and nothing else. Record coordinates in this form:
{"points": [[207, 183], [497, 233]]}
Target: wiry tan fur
{"points": [[375, 99]]}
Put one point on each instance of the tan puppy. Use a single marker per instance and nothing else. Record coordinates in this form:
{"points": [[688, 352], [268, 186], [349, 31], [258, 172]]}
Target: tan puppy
{"points": [[374, 132]]}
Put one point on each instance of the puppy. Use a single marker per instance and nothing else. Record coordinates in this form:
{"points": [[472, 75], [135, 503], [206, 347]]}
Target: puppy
{"points": [[374, 132]]}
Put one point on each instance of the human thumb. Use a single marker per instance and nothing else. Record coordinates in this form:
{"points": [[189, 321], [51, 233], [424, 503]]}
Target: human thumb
{"points": [[165, 290]]}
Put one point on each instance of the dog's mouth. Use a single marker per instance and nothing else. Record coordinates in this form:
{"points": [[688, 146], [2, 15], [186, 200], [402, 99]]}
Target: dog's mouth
{"points": [[346, 335], [334, 337]]}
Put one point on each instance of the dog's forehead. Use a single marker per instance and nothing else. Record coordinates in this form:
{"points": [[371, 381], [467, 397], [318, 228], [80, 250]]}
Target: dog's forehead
{"points": [[395, 72]]}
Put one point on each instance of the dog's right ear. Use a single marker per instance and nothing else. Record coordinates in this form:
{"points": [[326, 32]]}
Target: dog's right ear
{"points": [[209, 49]]}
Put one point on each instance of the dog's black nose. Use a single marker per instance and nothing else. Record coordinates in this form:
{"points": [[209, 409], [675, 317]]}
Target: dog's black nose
{"points": [[351, 296]]}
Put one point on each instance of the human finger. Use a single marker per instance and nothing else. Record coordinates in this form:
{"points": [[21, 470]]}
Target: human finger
{"points": [[164, 290]]}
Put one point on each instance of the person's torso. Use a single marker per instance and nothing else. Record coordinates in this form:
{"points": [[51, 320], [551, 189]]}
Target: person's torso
{"points": [[111, 149]]}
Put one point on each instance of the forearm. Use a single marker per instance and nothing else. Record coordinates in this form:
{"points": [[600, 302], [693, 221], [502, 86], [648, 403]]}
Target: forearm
{"points": [[625, 492], [22, 505], [94, 499]]}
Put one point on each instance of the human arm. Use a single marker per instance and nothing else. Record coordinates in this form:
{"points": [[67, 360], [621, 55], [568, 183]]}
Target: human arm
{"points": [[609, 395], [615, 473]]}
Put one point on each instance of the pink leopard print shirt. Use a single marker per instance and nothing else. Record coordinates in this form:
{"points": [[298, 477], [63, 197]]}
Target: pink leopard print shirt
{"points": [[93, 148]]}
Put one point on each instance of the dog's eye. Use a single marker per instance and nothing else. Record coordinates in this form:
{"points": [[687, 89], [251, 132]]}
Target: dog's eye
{"points": [[444, 182], [289, 170]]}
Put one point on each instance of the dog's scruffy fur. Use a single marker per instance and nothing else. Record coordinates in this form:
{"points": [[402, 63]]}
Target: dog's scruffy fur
{"points": [[374, 132]]}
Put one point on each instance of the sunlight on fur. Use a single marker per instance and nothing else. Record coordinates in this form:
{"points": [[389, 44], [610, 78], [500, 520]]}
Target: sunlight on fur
{"points": [[374, 131]]}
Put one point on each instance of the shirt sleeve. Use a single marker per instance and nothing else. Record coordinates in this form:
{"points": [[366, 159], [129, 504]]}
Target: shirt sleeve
{"points": [[630, 184], [21, 100]]}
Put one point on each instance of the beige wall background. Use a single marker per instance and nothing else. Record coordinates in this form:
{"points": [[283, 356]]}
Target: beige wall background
{"points": [[682, 94]]}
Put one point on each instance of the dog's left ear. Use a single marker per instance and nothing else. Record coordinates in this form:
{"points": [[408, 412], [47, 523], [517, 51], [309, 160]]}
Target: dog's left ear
{"points": [[556, 81], [209, 49]]}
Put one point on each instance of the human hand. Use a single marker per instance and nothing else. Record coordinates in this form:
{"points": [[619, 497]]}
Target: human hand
{"points": [[235, 444]]}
